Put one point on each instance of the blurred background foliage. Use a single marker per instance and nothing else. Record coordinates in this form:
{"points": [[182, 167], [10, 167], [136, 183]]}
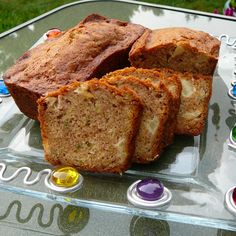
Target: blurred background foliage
{"points": [[15, 12]]}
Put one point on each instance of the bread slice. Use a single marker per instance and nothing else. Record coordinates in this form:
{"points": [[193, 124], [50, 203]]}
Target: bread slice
{"points": [[195, 95], [177, 48], [90, 125], [156, 77], [156, 101]]}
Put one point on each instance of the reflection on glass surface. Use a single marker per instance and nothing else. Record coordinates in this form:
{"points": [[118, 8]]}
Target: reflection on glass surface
{"points": [[21, 215], [146, 16], [73, 219], [70, 219], [141, 226], [31, 27], [179, 159]]}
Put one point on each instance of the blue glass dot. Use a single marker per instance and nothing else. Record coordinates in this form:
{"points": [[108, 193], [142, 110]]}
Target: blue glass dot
{"points": [[234, 90], [3, 89]]}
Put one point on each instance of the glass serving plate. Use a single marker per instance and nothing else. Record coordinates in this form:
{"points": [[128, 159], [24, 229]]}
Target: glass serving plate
{"points": [[197, 170]]}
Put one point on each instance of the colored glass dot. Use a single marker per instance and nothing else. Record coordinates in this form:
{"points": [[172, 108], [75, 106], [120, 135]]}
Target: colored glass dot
{"points": [[3, 89], [234, 196], [234, 133], [65, 177], [53, 33], [150, 189], [234, 90]]}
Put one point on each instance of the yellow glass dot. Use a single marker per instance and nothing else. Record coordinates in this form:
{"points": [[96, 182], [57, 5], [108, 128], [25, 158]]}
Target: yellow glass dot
{"points": [[65, 176]]}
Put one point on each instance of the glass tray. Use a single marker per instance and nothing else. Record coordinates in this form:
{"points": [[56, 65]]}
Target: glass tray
{"points": [[198, 171]]}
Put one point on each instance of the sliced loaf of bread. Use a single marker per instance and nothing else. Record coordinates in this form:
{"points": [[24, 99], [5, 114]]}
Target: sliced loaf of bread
{"points": [[155, 77], [156, 101], [90, 125], [193, 56]]}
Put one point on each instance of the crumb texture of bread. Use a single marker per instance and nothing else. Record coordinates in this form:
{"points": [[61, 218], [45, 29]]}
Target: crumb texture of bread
{"points": [[90, 125], [156, 102], [195, 97], [94, 47], [155, 77], [196, 90], [181, 49]]}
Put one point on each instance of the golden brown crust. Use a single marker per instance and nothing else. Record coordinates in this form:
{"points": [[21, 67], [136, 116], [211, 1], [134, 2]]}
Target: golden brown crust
{"points": [[177, 48], [47, 67], [110, 156], [139, 46]]}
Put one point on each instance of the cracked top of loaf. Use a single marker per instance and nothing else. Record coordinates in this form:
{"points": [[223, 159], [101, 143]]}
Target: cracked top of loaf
{"points": [[94, 47]]}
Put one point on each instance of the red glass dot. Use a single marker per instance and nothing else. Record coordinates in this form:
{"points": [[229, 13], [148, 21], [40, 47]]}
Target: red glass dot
{"points": [[234, 196]]}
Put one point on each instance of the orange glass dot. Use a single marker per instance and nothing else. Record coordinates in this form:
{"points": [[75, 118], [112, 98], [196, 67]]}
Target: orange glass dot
{"points": [[53, 33]]}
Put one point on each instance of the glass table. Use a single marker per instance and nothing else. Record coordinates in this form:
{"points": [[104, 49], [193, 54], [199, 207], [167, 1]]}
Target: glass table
{"points": [[26, 216], [198, 171]]}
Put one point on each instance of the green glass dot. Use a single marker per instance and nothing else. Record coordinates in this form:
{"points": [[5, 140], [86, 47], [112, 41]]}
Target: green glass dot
{"points": [[234, 133]]}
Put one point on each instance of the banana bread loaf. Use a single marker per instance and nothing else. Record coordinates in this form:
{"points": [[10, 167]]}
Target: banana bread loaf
{"points": [[90, 125], [92, 48], [173, 85], [156, 101], [181, 49]]}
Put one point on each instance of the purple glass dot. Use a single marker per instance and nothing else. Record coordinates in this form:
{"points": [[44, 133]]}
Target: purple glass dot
{"points": [[150, 189]]}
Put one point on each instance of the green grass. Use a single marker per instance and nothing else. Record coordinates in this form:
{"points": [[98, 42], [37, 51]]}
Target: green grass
{"points": [[15, 12]]}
